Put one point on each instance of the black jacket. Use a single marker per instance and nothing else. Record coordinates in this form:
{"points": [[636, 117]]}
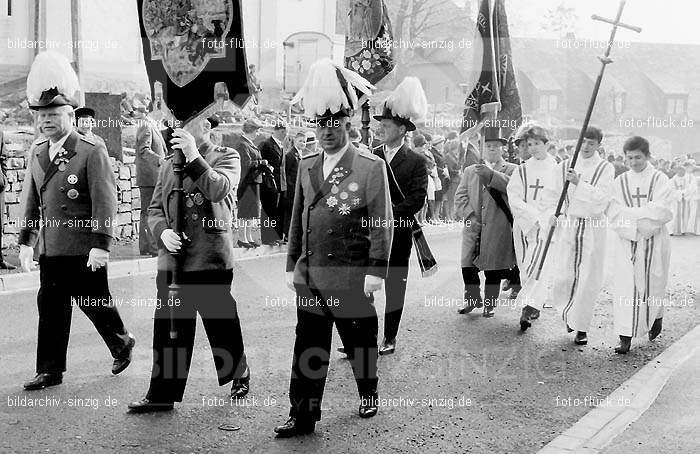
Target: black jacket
{"points": [[270, 151], [409, 170]]}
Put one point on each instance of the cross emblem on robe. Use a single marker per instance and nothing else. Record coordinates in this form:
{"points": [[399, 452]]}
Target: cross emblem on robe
{"points": [[639, 196], [537, 188]]}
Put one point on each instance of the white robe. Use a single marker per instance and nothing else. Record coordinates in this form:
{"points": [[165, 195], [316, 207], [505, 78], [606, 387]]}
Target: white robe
{"points": [[685, 206], [533, 193], [638, 214], [696, 222], [581, 238]]}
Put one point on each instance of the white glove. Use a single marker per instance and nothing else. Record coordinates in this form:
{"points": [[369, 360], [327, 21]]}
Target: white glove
{"points": [[183, 140], [97, 258], [289, 277], [171, 240], [372, 284], [26, 258]]}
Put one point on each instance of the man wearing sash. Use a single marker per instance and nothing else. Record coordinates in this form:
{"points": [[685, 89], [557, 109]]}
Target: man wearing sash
{"points": [[581, 235], [639, 212], [533, 193]]}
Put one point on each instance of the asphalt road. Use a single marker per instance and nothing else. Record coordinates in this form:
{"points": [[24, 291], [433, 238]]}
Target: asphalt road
{"points": [[456, 384]]}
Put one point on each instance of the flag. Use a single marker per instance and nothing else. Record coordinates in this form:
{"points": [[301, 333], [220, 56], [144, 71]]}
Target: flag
{"points": [[369, 42], [497, 80], [191, 45]]}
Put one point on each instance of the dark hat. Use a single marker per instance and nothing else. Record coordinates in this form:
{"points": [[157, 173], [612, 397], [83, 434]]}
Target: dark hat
{"points": [[387, 114], [214, 121], [53, 98], [252, 124], [84, 112], [328, 115], [494, 134]]}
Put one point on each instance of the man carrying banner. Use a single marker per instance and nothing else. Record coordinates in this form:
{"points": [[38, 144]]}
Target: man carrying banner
{"points": [[408, 182], [487, 243], [533, 193], [582, 234], [211, 173], [338, 250], [638, 213]]}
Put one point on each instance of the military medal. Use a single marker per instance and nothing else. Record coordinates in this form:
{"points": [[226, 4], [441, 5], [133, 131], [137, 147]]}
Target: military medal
{"points": [[72, 179], [72, 194], [62, 167], [332, 201], [189, 203], [198, 198], [335, 189], [353, 186], [195, 216], [343, 195], [344, 209], [356, 201]]}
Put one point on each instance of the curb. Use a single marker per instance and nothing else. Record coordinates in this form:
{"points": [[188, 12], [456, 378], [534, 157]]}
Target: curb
{"points": [[16, 282], [601, 425]]}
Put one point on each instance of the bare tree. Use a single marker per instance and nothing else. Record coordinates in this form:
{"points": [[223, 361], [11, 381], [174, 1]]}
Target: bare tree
{"points": [[560, 20]]}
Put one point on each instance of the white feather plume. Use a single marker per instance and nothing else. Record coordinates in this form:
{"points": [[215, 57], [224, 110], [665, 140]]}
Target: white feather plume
{"points": [[322, 90], [408, 100], [52, 69]]}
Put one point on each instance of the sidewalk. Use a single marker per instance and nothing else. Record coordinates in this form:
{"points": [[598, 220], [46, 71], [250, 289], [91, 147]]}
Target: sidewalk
{"points": [[655, 411]]}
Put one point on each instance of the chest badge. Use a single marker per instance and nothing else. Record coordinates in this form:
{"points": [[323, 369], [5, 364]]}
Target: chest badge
{"points": [[198, 198], [344, 209], [353, 187], [72, 194], [331, 201], [72, 179]]}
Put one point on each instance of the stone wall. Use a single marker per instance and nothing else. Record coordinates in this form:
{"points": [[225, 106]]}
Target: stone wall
{"points": [[128, 199]]}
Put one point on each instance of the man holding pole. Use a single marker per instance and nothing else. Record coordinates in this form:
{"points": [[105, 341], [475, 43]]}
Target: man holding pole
{"points": [[582, 234]]}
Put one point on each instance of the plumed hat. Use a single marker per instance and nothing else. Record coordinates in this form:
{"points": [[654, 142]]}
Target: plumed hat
{"points": [[330, 90], [52, 82], [406, 104]]}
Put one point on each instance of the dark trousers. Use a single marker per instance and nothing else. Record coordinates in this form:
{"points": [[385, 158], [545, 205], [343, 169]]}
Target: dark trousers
{"points": [[271, 220], [147, 244], [355, 319], [209, 293], [65, 282], [395, 284], [492, 286]]}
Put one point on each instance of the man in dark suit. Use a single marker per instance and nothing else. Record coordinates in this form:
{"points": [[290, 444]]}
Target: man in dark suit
{"points": [[271, 150], [69, 205], [3, 186], [408, 195], [150, 152], [211, 174], [291, 168], [84, 122], [337, 257], [248, 191]]}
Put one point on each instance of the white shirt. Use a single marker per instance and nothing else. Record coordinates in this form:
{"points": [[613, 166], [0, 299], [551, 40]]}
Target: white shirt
{"points": [[330, 161], [55, 147], [389, 153]]}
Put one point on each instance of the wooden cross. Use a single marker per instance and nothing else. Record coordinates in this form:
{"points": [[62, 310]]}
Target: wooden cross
{"points": [[639, 196], [616, 23], [536, 187]]}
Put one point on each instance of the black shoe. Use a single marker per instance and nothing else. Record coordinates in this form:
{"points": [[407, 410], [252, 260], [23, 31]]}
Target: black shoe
{"points": [[388, 347], [469, 305], [254, 245], [655, 329], [369, 406], [42, 381], [488, 312], [6, 266], [625, 344], [528, 313], [568, 329], [244, 245], [240, 387], [146, 406], [295, 427], [581, 338], [124, 359]]}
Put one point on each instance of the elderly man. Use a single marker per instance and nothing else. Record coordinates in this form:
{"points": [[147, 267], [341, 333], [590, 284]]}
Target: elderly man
{"points": [[487, 241], [69, 201]]}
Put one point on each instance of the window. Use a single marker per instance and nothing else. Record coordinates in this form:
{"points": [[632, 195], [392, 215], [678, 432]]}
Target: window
{"points": [[676, 106], [549, 103]]}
